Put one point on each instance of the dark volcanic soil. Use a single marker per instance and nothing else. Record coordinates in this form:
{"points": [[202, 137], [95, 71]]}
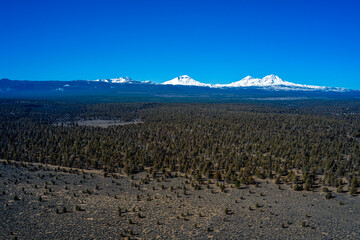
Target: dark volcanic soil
{"points": [[99, 207]]}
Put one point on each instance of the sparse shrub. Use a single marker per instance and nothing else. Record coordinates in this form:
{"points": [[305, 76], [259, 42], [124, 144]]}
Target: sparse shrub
{"points": [[354, 182], [328, 195], [339, 189], [277, 180], [119, 211], [353, 190], [298, 187], [307, 185]]}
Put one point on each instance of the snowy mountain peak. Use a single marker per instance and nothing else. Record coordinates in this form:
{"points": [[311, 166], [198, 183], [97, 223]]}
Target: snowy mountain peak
{"points": [[269, 80], [273, 79], [115, 80], [185, 80], [120, 79], [273, 82]]}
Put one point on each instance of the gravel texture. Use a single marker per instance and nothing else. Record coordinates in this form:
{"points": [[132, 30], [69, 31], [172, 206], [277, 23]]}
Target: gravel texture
{"points": [[162, 209]]}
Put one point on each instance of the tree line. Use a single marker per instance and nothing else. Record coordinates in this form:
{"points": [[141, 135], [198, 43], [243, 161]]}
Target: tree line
{"points": [[228, 142]]}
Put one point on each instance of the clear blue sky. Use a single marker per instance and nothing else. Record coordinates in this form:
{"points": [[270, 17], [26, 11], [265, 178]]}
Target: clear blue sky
{"points": [[309, 42]]}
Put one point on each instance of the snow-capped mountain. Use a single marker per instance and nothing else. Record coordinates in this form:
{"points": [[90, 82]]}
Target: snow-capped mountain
{"points": [[275, 83], [185, 80], [116, 80], [269, 82]]}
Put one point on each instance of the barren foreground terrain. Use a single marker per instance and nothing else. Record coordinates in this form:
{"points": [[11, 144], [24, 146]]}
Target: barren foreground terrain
{"points": [[45, 202]]}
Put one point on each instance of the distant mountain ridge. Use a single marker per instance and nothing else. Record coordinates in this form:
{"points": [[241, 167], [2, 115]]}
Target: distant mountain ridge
{"points": [[115, 80], [182, 87], [269, 82]]}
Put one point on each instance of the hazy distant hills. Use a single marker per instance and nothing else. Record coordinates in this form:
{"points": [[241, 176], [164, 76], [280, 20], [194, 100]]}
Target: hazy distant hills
{"points": [[269, 87]]}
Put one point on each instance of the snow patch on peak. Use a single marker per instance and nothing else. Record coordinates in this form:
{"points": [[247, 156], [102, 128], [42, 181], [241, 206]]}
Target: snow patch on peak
{"points": [[115, 80], [185, 80], [273, 80], [248, 78], [120, 80]]}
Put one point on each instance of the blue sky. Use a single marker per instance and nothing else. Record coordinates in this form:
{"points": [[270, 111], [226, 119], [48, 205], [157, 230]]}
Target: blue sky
{"points": [[308, 42]]}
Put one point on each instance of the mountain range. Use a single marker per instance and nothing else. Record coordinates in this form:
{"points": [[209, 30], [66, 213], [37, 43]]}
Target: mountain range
{"points": [[271, 81], [179, 87]]}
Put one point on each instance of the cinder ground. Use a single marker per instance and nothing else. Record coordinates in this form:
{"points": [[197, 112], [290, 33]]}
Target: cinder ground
{"points": [[99, 207]]}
